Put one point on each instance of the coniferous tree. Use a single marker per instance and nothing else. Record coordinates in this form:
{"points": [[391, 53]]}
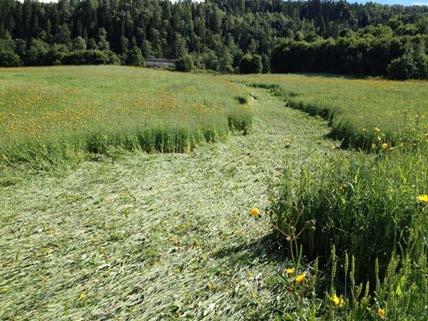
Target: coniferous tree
{"points": [[316, 35]]}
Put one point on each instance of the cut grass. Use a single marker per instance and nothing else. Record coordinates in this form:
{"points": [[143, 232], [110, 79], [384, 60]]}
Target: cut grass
{"points": [[163, 237], [157, 236]]}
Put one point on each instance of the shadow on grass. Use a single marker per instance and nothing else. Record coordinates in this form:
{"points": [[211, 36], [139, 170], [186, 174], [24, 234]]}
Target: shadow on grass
{"points": [[266, 249]]}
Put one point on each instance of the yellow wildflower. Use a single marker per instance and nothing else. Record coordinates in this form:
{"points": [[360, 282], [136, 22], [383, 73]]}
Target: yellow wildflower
{"points": [[423, 198], [82, 296], [255, 212], [385, 146], [290, 270], [376, 129], [300, 278], [337, 300], [380, 313]]}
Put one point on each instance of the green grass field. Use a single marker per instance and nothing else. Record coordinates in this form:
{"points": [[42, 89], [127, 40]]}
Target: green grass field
{"points": [[370, 208], [365, 113], [145, 234], [50, 114]]}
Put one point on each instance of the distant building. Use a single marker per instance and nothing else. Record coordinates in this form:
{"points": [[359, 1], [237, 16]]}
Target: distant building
{"points": [[160, 63]]}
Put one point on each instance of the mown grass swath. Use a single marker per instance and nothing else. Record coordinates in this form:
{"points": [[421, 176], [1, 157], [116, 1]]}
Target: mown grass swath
{"points": [[358, 217], [49, 115]]}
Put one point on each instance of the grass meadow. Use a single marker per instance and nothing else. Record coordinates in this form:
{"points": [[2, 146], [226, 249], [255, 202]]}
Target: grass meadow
{"points": [[364, 113], [363, 216], [350, 216], [48, 115]]}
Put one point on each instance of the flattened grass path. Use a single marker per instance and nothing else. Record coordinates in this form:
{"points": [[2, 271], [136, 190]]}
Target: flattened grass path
{"points": [[155, 237]]}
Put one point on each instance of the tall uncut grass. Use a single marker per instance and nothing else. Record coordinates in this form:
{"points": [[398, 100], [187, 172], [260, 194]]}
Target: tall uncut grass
{"points": [[363, 113], [50, 115], [361, 217], [364, 206]]}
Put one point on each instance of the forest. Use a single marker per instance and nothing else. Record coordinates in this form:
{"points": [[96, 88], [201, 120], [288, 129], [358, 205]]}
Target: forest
{"points": [[227, 36]]}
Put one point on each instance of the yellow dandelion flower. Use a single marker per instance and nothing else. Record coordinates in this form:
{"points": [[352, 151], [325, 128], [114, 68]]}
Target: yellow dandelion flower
{"points": [[381, 313], [300, 278], [290, 270], [82, 296], [254, 212], [423, 198], [337, 300], [385, 146]]}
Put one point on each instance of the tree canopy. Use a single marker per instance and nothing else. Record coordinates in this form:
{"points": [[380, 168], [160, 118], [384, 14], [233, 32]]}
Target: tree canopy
{"points": [[288, 36]]}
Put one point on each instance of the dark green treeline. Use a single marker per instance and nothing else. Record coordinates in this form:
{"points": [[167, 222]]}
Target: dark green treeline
{"points": [[221, 35]]}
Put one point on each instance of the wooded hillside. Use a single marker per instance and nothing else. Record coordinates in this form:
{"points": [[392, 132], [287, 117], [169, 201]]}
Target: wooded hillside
{"points": [[221, 35]]}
